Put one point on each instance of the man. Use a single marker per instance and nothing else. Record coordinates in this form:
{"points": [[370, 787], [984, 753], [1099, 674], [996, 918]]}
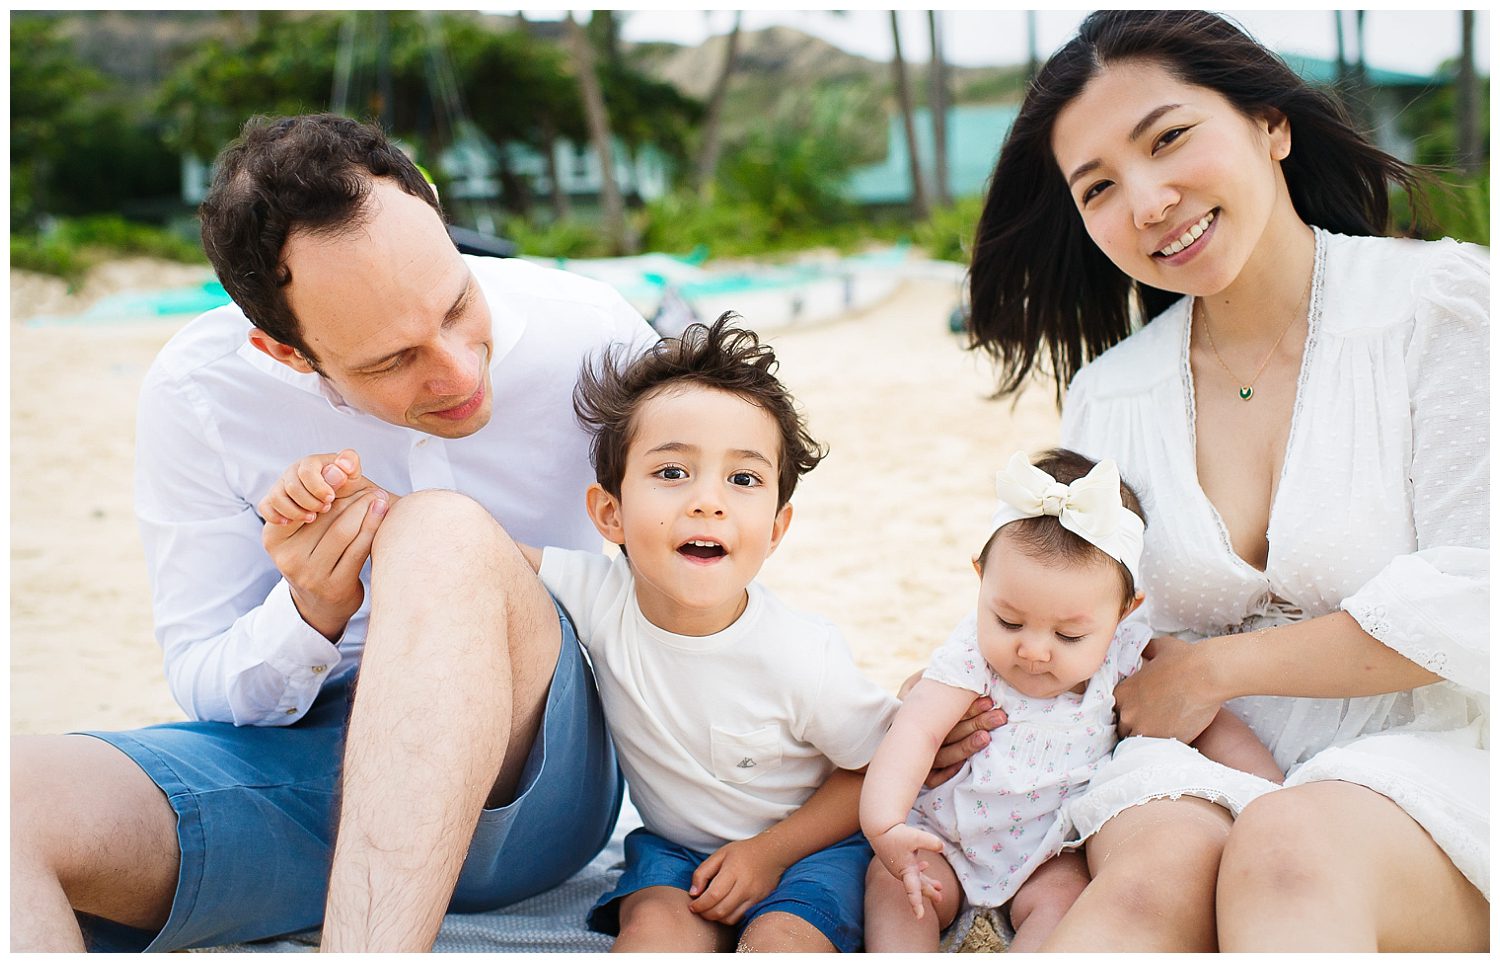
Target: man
{"points": [[476, 732]]}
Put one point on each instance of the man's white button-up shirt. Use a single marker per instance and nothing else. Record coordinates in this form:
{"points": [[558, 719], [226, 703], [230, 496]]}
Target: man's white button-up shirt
{"points": [[219, 422]]}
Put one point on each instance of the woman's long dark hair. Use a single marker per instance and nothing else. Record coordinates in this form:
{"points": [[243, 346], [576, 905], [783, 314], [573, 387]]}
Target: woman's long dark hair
{"points": [[1038, 284]]}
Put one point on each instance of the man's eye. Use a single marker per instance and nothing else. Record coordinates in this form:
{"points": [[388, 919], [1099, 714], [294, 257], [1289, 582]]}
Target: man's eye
{"points": [[394, 364], [744, 478], [672, 473]]}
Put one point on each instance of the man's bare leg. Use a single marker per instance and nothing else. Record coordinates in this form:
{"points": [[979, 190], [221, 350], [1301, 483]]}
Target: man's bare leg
{"points": [[88, 829], [462, 645]]}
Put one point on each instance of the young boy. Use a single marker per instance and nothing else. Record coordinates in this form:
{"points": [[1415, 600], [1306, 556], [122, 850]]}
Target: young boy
{"points": [[736, 718]]}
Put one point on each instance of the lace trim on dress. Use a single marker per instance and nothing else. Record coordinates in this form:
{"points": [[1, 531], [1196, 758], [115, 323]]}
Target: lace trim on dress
{"points": [[1373, 618], [1314, 316]]}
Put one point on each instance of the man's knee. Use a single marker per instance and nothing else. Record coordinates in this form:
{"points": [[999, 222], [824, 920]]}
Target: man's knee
{"points": [[437, 517]]}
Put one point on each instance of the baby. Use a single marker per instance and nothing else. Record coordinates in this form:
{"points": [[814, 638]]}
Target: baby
{"points": [[1049, 642]]}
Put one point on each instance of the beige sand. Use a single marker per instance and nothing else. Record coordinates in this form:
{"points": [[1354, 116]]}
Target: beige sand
{"points": [[880, 543]]}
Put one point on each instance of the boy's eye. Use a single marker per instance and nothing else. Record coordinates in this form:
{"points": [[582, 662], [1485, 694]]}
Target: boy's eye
{"points": [[744, 479], [1009, 626], [671, 473]]}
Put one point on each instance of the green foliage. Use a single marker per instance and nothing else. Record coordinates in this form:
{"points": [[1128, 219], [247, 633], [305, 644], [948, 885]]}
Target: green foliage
{"points": [[68, 248], [1452, 205], [565, 238], [793, 164], [948, 233]]}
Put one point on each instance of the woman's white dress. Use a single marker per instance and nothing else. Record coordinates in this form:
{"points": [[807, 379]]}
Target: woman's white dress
{"points": [[1382, 509]]}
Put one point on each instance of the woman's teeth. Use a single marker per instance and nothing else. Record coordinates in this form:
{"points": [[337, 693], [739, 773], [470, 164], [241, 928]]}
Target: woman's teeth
{"points": [[1188, 237]]}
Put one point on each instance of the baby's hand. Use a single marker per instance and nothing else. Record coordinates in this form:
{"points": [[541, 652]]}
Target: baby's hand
{"points": [[734, 878], [307, 489], [898, 850]]}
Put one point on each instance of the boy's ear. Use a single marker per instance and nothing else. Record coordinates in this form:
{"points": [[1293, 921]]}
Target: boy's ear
{"points": [[604, 511], [284, 353], [780, 525]]}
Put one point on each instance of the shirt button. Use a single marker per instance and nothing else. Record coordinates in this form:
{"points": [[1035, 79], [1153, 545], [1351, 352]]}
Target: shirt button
{"points": [[291, 712], [319, 668]]}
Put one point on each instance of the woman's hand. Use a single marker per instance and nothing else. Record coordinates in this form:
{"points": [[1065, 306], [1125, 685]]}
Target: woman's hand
{"points": [[1171, 695]]}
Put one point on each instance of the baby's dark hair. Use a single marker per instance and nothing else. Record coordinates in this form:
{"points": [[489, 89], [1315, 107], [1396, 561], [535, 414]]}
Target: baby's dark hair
{"points": [[1044, 537], [718, 356]]}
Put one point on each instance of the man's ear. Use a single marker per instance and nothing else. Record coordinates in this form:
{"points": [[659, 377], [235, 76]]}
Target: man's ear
{"points": [[780, 525], [283, 353], [604, 512]]}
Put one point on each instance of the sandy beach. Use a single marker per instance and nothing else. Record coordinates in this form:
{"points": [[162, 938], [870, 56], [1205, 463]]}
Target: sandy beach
{"points": [[880, 543]]}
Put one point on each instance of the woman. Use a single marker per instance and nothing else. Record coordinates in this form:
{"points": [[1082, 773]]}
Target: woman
{"points": [[1306, 416]]}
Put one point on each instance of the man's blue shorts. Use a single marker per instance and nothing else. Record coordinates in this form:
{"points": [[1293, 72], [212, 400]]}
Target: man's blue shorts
{"points": [[256, 809], [827, 888]]}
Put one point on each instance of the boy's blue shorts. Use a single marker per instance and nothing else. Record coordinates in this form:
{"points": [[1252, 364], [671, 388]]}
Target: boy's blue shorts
{"points": [[256, 809], [827, 888]]}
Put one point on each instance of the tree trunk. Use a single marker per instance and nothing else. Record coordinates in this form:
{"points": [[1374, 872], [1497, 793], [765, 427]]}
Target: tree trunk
{"points": [[903, 95], [1468, 127], [1033, 59], [938, 77], [560, 206], [708, 154], [615, 225]]}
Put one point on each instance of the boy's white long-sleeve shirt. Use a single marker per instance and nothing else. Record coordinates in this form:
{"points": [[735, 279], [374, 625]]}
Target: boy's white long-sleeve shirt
{"points": [[219, 422]]}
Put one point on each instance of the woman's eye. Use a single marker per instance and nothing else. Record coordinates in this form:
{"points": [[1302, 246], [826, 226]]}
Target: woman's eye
{"points": [[1094, 190], [1169, 137], [671, 473], [745, 479]]}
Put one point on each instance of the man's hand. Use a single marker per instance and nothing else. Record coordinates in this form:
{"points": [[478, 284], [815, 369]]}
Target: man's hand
{"points": [[1170, 696], [321, 559], [734, 878], [899, 850]]}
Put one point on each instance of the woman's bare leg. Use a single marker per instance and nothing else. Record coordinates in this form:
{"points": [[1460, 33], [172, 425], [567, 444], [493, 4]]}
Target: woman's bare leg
{"points": [[1154, 868], [1336, 866]]}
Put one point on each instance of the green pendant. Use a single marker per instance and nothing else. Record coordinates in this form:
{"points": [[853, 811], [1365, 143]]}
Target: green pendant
{"points": [[1246, 393]]}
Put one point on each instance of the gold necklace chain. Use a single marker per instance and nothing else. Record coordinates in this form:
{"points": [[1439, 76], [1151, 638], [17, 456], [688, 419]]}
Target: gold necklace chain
{"points": [[1247, 388]]}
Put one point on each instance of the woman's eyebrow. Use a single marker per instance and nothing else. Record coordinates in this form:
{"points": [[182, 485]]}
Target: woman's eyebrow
{"points": [[1135, 133]]}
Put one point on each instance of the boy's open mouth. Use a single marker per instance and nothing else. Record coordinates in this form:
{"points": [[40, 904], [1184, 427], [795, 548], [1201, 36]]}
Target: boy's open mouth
{"points": [[701, 548]]}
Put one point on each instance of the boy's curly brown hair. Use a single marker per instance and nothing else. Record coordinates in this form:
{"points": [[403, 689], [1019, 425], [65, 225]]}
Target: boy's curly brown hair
{"points": [[719, 356]]}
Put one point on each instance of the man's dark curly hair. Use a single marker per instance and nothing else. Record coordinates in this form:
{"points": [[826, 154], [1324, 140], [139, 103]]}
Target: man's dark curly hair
{"points": [[292, 174], [718, 356]]}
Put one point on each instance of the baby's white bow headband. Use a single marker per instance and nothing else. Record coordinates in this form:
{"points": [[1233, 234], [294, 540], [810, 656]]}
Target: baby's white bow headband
{"points": [[1090, 507]]}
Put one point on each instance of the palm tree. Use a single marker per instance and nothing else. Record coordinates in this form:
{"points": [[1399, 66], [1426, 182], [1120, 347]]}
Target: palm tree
{"points": [[615, 225], [938, 79], [1468, 133], [903, 96], [708, 153]]}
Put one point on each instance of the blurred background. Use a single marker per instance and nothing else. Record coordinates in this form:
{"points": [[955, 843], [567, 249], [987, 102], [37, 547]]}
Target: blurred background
{"points": [[699, 133]]}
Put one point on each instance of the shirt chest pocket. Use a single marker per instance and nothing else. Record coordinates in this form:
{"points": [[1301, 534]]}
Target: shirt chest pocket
{"points": [[743, 757]]}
